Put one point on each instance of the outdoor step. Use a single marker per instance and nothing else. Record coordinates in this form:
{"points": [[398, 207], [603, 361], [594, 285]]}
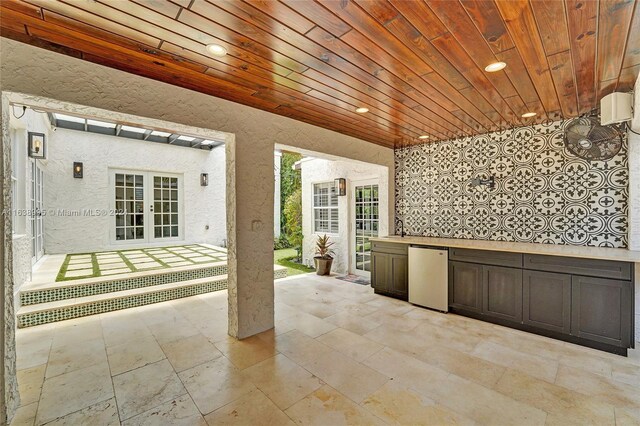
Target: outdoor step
{"points": [[64, 290], [43, 313], [67, 290], [75, 307]]}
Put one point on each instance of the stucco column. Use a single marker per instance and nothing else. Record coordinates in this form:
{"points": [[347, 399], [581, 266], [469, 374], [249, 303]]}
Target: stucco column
{"points": [[250, 196], [9, 398]]}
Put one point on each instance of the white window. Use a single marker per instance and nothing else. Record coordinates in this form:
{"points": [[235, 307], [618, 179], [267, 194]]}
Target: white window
{"points": [[325, 208]]}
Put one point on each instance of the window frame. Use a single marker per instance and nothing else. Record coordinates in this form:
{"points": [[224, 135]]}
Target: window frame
{"points": [[329, 208]]}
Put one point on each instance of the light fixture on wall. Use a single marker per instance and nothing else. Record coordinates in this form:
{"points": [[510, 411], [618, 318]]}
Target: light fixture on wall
{"points": [[340, 186], [78, 170], [204, 179], [37, 147]]}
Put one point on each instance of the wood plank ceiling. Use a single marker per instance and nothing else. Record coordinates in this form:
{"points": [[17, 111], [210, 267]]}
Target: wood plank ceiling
{"points": [[418, 66]]}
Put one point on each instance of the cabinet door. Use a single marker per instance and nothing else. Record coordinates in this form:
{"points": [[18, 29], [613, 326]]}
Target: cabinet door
{"points": [[546, 300], [502, 293], [601, 310], [399, 276], [465, 286], [380, 271]]}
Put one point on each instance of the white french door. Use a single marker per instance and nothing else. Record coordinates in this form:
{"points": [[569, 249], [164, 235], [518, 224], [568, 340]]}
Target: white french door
{"points": [[365, 224], [37, 209], [148, 206]]}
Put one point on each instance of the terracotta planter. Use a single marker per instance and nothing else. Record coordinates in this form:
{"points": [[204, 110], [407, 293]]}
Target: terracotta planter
{"points": [[323, 266]]}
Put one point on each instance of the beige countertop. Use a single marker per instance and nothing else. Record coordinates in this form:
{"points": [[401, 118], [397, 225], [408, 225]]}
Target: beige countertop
{"points": [[622, 255]]}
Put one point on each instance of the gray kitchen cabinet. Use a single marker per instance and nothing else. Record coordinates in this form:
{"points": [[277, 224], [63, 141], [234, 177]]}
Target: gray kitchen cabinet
{"points": [[601, 310], [380, 271], [465, 286], [546, 300], [502, 293], [389, 274], [399, 275]]}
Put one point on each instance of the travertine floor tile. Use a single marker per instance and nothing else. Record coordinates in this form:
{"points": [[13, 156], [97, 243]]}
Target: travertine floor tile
{"points": [[354, 346], [247, 352], [327, 406], [131, 355], [215, 384], [70, 356], [535, 366], [180, 411], [282, 380], [562, 405], [310, 325], [353, 323], [401, 363], [103, 413], [30, 382], [70, 392], [190, 351], [463, 365], [397, 404], [25, 415], [254, 408], [605, 389], [144, 388], [349, 377]]}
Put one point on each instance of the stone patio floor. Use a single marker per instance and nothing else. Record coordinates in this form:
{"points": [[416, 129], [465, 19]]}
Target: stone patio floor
{"points": [[339, 354]]}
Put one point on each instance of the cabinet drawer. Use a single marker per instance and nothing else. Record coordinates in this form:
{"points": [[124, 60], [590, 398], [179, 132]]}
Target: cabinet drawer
{"points": [[393, 248], [572, 265], [486, 257]]}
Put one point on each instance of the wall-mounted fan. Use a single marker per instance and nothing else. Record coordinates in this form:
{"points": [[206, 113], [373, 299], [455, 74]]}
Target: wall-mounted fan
{"points": [[587, 139]]}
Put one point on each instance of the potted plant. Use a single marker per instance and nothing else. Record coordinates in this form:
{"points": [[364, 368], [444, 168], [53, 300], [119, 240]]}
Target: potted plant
{"points": [[324, 255]]}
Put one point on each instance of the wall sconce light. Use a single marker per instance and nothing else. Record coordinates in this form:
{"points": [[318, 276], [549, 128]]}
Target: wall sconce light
{"points": [[78, 169], [37, 147], [204, 179], [340, 186]]}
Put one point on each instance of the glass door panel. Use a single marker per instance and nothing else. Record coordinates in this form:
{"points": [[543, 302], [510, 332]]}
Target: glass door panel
{"points": [[366, 221], [129, 198], [165, 207], [37, 222]]}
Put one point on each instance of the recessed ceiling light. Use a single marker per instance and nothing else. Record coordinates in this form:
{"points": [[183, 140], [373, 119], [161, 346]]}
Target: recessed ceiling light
{"points": [[362, 110], [216, 50], [496, 66], [423, 137], [529, 114]]}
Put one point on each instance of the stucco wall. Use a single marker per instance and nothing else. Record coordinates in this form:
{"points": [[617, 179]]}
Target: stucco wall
{"points": [[100, 154], [321, 170], [30, 121], [36, 72]]}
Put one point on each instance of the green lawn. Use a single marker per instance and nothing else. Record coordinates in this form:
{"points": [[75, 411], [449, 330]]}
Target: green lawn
{"points": [[284, 258]]}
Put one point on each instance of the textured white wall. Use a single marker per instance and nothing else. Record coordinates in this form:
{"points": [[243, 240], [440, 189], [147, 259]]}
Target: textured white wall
{"points": [[21, 169], [202, 207], [321, 170]]}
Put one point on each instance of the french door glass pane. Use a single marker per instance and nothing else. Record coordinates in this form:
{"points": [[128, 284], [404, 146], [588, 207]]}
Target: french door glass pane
{"points": [[130, 205], [165, 202], [366, 223]]}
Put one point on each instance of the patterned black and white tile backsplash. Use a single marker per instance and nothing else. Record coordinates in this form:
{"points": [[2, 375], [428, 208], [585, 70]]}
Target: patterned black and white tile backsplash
{"points": [[542, 193]]}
